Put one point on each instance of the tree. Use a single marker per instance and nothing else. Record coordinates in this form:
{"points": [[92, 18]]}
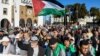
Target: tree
{"points": [[83, 11], [78, 11], [74, 9], [95, 12], [69, 9]]}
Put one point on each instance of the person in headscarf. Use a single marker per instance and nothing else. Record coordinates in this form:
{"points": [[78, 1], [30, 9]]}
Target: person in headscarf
{"points": [[7, 47]]}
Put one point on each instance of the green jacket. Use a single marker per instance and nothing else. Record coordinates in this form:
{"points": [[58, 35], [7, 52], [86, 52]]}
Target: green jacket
{"points": [[58, 51], [72, 48]]}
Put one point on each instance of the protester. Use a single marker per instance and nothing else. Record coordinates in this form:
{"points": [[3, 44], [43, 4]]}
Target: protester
{"points": [[70, 48], [51, 40], [89, 33], [95, 40], [1, 34], [33, 48], [92, 49], [7, 47], [55, 49], [56, 36], [84, 48]]}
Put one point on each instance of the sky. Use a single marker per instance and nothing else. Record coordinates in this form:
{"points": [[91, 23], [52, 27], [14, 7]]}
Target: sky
{"points": [[88, 3]]}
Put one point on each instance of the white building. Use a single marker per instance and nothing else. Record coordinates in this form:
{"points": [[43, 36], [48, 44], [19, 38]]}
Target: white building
{"points": [[87, 19], [10, 11], [5, 11]]}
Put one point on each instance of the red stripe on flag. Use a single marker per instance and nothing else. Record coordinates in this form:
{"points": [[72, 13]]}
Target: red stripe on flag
{"points": [[37, 6]]}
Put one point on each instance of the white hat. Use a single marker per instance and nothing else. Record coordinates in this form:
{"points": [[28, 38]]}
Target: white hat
{"points": [[5, 38], [34, 38]]}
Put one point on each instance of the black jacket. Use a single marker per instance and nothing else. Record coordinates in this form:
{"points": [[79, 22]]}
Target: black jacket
{"points": [[1, 48], [30, 50], [94, 42]]}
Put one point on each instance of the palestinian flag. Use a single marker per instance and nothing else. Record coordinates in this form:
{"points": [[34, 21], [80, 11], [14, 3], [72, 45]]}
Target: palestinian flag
{"points": [[38, 5], [51, 8], [43, 8]]}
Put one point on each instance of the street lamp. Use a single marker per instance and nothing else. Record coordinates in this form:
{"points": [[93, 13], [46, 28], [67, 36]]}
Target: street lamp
{"points": [[65, 17], [65, 20]]}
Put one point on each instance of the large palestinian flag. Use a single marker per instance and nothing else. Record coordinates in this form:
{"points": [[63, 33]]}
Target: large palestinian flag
{"points": [[38, 5], [43, 8]]}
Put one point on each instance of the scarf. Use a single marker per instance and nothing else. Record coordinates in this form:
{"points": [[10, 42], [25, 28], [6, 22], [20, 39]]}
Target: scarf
{"points": [[6, 49], [57, 50]]}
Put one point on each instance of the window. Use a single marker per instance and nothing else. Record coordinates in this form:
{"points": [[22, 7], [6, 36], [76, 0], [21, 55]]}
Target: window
{"points": [[21, 12], [5, 11], [29, 11], [5, 1]]}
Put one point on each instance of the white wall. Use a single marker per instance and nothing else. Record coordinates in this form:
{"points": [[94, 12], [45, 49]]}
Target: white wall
{"points": [[9, 12], [40, 20], [16, 12], [52, 19], [1, 10]]}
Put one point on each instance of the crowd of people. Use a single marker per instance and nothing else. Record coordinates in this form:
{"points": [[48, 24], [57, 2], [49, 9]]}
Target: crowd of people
{"points": [[51, 40]]}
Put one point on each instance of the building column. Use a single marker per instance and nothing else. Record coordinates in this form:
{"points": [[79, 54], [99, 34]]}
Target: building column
{"points": [[40, 20]]}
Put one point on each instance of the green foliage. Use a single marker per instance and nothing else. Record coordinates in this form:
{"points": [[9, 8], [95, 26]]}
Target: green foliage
{"points": [[78, 11], [95, 12]]}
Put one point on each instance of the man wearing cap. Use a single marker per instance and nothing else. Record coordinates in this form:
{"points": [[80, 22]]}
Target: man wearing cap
{"points": [[7, 47], [32, 48], [55, 49]]}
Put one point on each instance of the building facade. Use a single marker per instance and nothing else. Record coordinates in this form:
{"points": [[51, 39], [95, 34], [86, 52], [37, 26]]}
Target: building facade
{"points": [[23, 13], [16, 13], [6, 13]]}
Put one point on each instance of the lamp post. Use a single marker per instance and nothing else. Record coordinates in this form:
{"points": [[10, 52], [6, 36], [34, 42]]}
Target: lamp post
{"points": [[65, 18]]}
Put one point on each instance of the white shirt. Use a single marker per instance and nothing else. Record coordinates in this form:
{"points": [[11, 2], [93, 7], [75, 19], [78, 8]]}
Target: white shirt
{"points": [[36, 51]]}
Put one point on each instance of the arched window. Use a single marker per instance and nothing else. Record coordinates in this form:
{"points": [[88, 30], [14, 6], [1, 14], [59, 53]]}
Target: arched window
{"points": [[29, 22], [5, 23], [22, 23]]}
